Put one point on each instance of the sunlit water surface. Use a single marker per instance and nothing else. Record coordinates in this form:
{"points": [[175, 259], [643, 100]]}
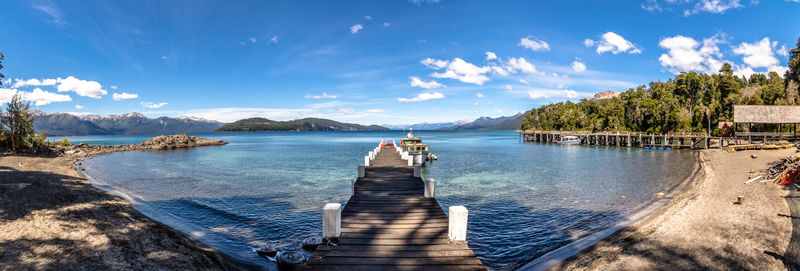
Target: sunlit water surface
{"points": [[524, 199]]}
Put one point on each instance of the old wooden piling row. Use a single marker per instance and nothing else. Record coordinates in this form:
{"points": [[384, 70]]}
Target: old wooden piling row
{"points": [[641, 140], [392, 221]]}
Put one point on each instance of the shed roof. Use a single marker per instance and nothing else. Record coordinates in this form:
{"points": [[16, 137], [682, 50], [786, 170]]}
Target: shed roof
{"points": [[766, 113]]}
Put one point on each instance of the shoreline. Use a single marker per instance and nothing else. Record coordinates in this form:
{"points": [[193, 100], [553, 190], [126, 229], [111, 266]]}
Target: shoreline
{"points": [[701, 228], [60, 220], [230, 262], [561, 254]]}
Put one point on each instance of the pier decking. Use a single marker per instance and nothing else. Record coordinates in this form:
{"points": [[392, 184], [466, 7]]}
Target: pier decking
{"points": [[389, 224]]}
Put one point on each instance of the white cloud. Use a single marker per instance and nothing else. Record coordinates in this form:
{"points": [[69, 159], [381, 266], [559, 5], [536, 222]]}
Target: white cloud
{"points": [[77, 106], [273, 40], [84, 88], [534, 45], [326, 104], [386, 24], [38, 96], [463, 71], [480, 95], [782, 51], [578, 66], [521, 64], [347, 110], [434, 63], [33, 82], [322, 96], [416, 82], [423, 97], [124, 96], [523, 81], [374, 110], [536, 94], [508, 87], [712, 6], [490, 56], [614, 43], [368, 18], [683, 54], [477, 104], [759, 54], [153, 105], [355, 28], [113, 87], [253, 40]]}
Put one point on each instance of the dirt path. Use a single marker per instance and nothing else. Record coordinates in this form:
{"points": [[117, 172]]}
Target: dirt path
{"points": [[61, 222], [702, 228]]}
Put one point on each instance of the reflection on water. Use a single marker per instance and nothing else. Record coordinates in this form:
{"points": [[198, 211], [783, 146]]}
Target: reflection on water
{"points": [[269, 188]]}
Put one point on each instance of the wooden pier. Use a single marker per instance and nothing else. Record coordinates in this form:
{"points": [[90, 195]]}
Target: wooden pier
{"points": [[393, 222], [644, 140]]}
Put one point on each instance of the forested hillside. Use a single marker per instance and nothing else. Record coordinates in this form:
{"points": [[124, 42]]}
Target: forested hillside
{"points": [[685, 103]]}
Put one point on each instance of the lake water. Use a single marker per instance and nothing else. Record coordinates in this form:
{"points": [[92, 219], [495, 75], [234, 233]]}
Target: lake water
{"points": [[524, 199]]}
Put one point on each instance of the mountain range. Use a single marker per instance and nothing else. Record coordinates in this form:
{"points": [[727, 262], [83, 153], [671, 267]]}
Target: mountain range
{"points": [[64, 124], [488, 123], [482, 123], [306, 124]]}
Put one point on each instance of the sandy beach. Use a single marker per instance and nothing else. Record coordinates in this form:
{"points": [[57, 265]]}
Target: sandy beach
{"points": [[701, 228], [61, 222]]}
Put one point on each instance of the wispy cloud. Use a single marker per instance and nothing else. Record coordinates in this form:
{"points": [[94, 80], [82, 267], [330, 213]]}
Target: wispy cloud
{"points": [[423, 97], [321, 96], [416, 82], [535, 45], [124, 96], [51, 9], [355, 28], [153, 105]]}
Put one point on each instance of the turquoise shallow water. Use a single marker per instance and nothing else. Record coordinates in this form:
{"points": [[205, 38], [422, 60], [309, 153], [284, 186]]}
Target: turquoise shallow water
{"points": [[269, 188]]}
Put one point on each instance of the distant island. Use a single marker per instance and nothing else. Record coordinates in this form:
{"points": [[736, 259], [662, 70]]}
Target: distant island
{"points": [[306, 124]]}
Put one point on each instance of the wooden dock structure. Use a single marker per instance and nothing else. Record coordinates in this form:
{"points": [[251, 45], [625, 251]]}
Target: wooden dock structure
{"points": [[651, 141], [393, 222]]}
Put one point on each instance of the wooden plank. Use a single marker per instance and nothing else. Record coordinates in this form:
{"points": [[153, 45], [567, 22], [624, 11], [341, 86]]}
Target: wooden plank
{"points": [[394, 235], [396, 254], [396, 261], [394, 242], [399, 268]]}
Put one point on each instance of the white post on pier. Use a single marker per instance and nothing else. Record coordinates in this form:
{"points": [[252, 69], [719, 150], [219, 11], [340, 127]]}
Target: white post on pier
{"points": [[430, 188], [419, 159], [417, 170], [366, 161], [410, 161], [353, 187], [332, 220], [457, 230], [362, 171], [371, 155]]}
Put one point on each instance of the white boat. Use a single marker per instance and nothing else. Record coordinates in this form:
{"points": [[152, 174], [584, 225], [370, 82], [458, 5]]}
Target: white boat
{"points": [[570, 140]]}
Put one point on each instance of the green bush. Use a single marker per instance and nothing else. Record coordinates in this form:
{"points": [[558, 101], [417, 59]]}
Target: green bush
{"points": [[65, 142]]}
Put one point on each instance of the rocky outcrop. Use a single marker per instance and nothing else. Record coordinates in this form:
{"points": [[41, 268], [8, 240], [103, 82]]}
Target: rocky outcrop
{"points": [[164, 142], [168, 142]]}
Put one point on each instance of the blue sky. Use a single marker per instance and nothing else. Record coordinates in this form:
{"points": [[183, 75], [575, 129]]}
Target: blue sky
{"points": [[371, 62]]}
